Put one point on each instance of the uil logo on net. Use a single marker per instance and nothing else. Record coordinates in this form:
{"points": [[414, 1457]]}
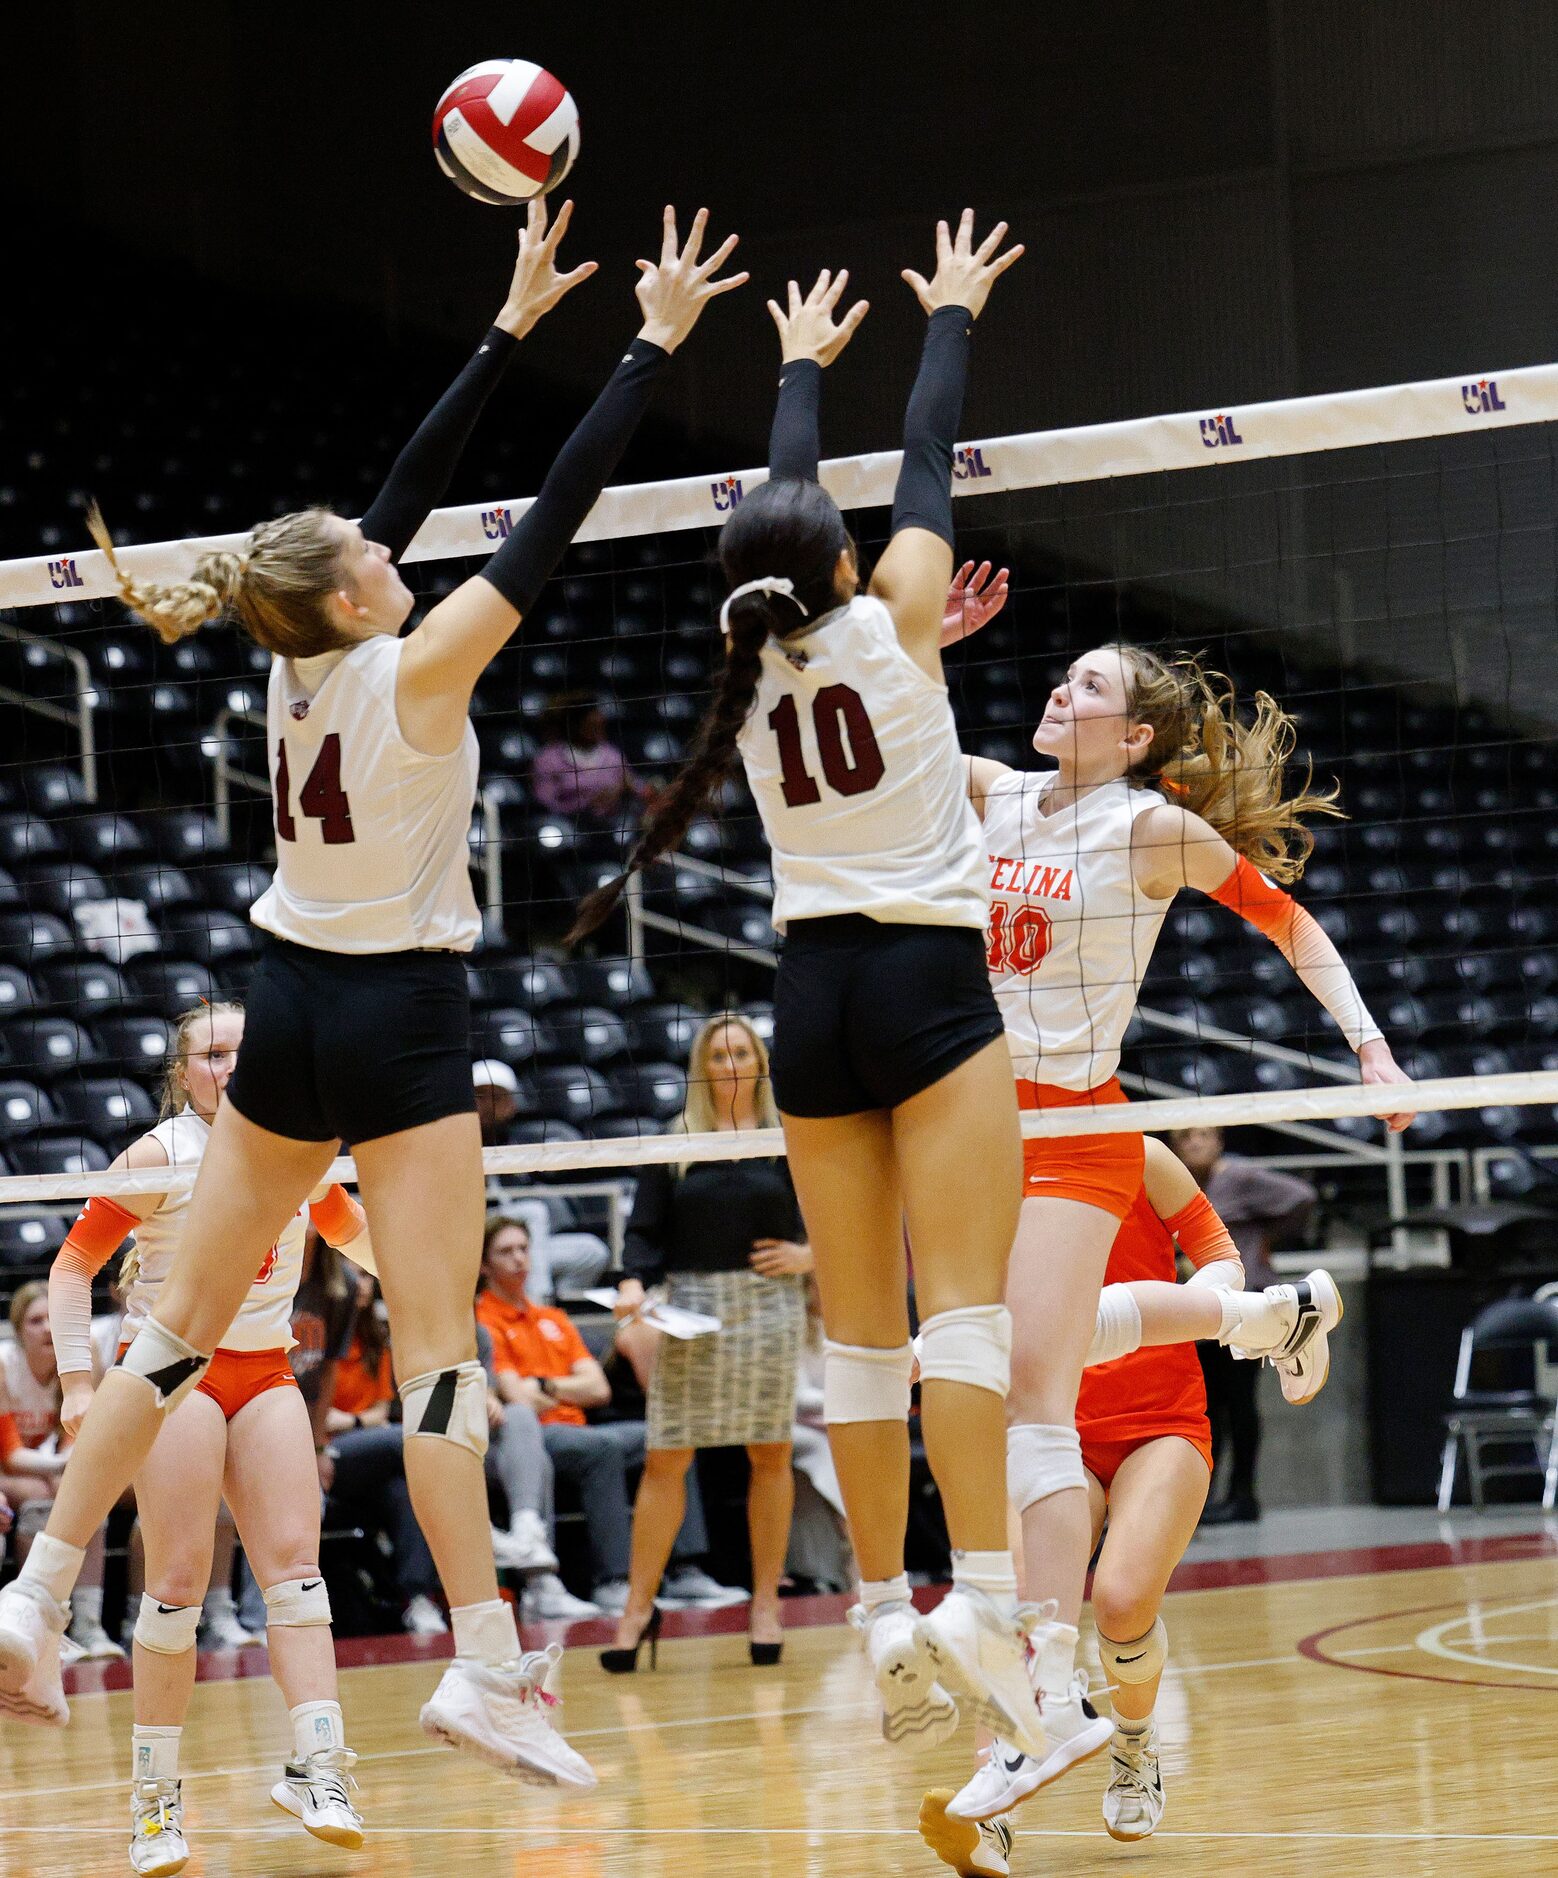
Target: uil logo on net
{"points": [[1481, 396], [1220, 432], [496, 523], [968, 462], [727, 493], [65, 573]]}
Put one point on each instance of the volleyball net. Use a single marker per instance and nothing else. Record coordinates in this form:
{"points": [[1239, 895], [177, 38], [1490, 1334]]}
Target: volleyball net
{"points": [[1383, 562]]}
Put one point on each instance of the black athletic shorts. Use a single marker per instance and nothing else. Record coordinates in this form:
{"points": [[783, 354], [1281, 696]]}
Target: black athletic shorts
{"points": [[342, 1046], [867, 1014]]}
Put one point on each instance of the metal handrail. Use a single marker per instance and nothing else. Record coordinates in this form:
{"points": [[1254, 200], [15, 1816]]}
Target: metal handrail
{"points": [[82, 719], [224, 772]]}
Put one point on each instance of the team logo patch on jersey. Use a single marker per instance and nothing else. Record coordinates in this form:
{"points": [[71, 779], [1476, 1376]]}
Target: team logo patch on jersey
{"points": [[300, 709]]}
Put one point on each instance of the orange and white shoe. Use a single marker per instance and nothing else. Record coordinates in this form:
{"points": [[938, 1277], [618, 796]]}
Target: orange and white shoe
{"points": [[973, 1848]]}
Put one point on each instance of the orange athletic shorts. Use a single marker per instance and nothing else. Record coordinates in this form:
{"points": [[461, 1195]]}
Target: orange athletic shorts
{"points": [[235, 1377], [1102, 1458], [1100, 1170]]}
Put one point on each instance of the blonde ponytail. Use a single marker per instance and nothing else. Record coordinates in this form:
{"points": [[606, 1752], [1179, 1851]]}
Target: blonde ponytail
{"points": [[1229, 771], [275, 587]]}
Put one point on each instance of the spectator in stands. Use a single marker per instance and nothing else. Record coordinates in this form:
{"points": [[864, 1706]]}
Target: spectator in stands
{"points": [[728, 1236], [542, 1365], [1260, 1205], [578, 771], [562, 1264], [31, 1459]]}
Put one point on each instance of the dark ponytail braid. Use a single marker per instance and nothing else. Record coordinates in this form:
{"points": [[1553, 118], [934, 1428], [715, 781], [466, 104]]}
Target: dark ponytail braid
{"points": [[786, 529]]}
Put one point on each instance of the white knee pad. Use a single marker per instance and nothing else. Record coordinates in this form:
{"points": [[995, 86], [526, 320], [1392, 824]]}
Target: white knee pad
{"points": [[1117, 1331], [169, 1629], [448, 1403], [1042, 1458], [973, 1346], [172, 1366], [1137, 1661], [863, 1384], [296, 1602]]}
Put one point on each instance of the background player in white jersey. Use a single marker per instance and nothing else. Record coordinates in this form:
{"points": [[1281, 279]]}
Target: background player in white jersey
{"points": [[358, 1015], [1158, 785], [244, 1432], [889, 1070]]}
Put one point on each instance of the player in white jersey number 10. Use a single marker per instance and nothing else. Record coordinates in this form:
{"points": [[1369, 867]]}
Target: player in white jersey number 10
{"points": [[358, 1025]]}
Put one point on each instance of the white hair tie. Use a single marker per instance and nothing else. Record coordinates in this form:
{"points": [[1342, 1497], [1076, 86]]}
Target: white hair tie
{"points": [[769, 583]]}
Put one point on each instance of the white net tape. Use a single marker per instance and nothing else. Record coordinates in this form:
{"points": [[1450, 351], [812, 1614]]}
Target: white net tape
{"points": [[1228, 1111], [1041, 459]]}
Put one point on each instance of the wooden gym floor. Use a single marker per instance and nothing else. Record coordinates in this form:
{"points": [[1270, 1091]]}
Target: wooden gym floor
{"points": [[1389, 1710]]}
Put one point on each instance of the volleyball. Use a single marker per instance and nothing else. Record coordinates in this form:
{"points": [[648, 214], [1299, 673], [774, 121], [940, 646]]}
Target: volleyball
{"points": [[505, 131]]}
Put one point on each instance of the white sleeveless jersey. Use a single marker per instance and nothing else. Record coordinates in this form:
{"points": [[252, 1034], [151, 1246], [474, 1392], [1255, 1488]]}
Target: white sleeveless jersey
{"points": [[371, 835], [1070, 931], [34, 1404], [264, 1320], [852, 756]]}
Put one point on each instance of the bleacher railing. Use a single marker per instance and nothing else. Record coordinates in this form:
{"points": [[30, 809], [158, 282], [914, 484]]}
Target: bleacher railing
{"points": [[80, 717]]}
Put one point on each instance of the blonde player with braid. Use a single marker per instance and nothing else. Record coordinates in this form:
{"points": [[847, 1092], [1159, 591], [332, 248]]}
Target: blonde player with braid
{"points": [[1159, 784], [244, 1432], [358, 1022]]}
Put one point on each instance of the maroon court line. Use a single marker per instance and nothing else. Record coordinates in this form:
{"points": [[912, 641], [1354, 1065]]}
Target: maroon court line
{"points": [[1310, 1646], [807, 1613]]}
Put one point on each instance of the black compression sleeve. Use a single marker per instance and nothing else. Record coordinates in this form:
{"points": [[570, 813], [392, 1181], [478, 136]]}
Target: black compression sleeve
{"points": [[417, 482], [923, 498], [794, 443], [521, 567]]}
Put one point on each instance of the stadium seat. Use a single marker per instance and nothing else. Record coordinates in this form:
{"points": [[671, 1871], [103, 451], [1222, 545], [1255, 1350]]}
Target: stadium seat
{"points": [[524, 1134], [619, 984], [85, 986], [56, 886], [107, 841], [211, 935], [588, 1033], [27, 838], [24, 1109], [107, 1108], [235, 886], [59, 1152], [17, 991], [576, 1094], [28, 1241], [133, 1045], [663, 1032], [48, 1046], [53, 789], [31, 939], [186, 837], [157, 886], [514, 1036], [169, 986], [746, 924], [657, 1089]]}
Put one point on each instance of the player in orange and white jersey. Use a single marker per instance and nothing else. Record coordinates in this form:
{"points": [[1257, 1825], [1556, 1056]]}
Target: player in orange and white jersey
{"points": [[244, 1431], [1158, 785]]}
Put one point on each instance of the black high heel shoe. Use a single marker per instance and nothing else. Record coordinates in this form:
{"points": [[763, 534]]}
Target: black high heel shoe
{"points": [[764, 1655], [625, 1662]]}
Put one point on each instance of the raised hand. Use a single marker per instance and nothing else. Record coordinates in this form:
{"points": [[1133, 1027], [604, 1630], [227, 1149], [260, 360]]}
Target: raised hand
{"points": [[964, 274], [971, 602], [1377, 1065], [674, 290], [537, 286], [807, 328]]}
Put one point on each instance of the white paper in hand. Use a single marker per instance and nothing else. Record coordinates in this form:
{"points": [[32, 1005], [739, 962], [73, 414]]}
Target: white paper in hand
{"points": [[670, 1318]]}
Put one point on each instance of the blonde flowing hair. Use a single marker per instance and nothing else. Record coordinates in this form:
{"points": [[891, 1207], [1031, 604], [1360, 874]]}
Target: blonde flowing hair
{"points": [[1228, 770], [701, 1115], [275, 586], [175, 1092]]}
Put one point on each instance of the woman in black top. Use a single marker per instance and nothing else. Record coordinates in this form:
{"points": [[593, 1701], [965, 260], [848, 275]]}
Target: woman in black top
{"points": [[729, 1237]]}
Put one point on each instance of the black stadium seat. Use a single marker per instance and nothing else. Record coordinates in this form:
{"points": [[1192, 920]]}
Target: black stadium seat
{"points": [[59, 1152], [25, 838], [83, 986], [132, 1045], [235, 885], [17, 991], [513, 1036], [24, 1109], [107, 1108], [29, 939], [28, 1241], [575, 1094], [210, 935], [588, 1033], [157, 886], [664, 1032], [657, 1089], [106, 841], [618, 984], [48, 1046], [169, 986], [57, 886]]}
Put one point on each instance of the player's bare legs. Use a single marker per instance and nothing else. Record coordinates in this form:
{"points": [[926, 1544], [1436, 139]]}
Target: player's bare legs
{"points": [[250, 1184], [424, 1195], [178, 1491]]}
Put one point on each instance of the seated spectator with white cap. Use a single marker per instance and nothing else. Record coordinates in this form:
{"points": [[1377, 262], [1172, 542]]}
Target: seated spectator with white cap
{"points": [[562, 1264]]}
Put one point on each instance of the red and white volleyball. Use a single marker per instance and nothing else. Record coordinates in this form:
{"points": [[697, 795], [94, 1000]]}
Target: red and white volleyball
{"points": [[505, 131]]}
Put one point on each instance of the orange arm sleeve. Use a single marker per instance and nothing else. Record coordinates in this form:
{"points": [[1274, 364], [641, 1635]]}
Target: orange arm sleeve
{"points": [[1201, 1234], [338, 1217], [100, 1228]]}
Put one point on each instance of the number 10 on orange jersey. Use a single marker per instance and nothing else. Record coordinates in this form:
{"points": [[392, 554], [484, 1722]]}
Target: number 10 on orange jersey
{"points": [[1018, 940]]}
